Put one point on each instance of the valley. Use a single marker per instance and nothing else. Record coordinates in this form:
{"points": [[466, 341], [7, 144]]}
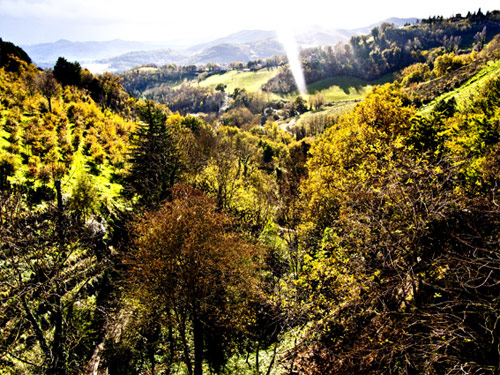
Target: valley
{"points": [[193, 213]]}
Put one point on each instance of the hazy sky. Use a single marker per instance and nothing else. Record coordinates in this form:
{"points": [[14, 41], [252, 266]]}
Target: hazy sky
{"points": [[187, 21]]}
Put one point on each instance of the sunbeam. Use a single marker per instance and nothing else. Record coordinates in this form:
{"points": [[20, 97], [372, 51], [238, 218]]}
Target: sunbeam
{"points": [[287, 39]]}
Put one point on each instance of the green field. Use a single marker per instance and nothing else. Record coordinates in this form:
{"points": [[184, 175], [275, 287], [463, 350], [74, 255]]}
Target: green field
{"points": [[343, 88], [251, 81]]}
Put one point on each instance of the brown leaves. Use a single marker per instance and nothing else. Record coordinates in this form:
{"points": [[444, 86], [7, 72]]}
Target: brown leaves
{"points": [[187, 251]]}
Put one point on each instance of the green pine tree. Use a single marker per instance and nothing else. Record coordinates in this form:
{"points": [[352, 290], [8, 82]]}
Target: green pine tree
{"points": [[154, 158]]}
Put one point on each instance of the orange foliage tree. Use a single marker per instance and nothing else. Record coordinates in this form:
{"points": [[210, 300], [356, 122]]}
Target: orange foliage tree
{"points": [[197, 273]]}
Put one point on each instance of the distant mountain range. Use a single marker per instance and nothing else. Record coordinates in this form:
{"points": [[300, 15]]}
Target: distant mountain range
{"points": [[246, 45], [84, 51]]}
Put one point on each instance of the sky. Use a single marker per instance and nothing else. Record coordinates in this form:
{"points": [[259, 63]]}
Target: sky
{"points": [[184, 22]]}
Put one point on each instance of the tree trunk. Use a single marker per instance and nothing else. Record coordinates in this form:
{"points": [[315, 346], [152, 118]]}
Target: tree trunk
{"points": [[257, 357], [272, 359], [57, 366], [198, 344], [151, 347], [57, 363], [38, 331], [172, 349], [187, 358]]}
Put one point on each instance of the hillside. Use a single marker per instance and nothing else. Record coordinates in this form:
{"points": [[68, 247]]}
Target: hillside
{"points": [[388, 49], [340, 88], [251, 81], [131, 59], [467, 89], [243, 46], [353, 230], [458, 82], [244, 52], [51, 132], [241, 37]]}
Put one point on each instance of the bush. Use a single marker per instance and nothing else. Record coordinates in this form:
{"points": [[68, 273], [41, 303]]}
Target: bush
{"points": [[414, 74], [447, 62]]}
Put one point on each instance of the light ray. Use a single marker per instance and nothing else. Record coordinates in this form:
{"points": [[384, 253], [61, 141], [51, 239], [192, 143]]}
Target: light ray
{"points": [[287, 39]]}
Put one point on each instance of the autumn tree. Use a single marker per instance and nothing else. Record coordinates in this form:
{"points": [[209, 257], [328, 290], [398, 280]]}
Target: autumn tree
{"points": [[48, 86], [404, 226], [110, 86], [8, 167], [197, 273]]}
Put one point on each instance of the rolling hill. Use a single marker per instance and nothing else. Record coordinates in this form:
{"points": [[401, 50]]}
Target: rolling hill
{"points": [[84, 51], [245, 45]]}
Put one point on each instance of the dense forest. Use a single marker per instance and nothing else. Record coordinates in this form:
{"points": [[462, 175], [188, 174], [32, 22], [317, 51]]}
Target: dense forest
{"points": [[206, 237]]}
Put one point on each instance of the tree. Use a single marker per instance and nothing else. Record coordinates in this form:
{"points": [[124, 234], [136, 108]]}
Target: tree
{"points": [[480, 38], [110, 86], [317, 100], [154, 158], [221, 87], [421, 265], [197, 273], [67, 73], [48, 86], [375, 33], [8, 167], [403, 224], [415, 73], [51, 268], [299, 105], [446, 63], [84, 200]]}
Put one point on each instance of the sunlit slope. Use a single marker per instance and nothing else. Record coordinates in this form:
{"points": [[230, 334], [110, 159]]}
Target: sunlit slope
{"points": [[470, 88], [343, 88], [251, 81], [77, 139]]}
